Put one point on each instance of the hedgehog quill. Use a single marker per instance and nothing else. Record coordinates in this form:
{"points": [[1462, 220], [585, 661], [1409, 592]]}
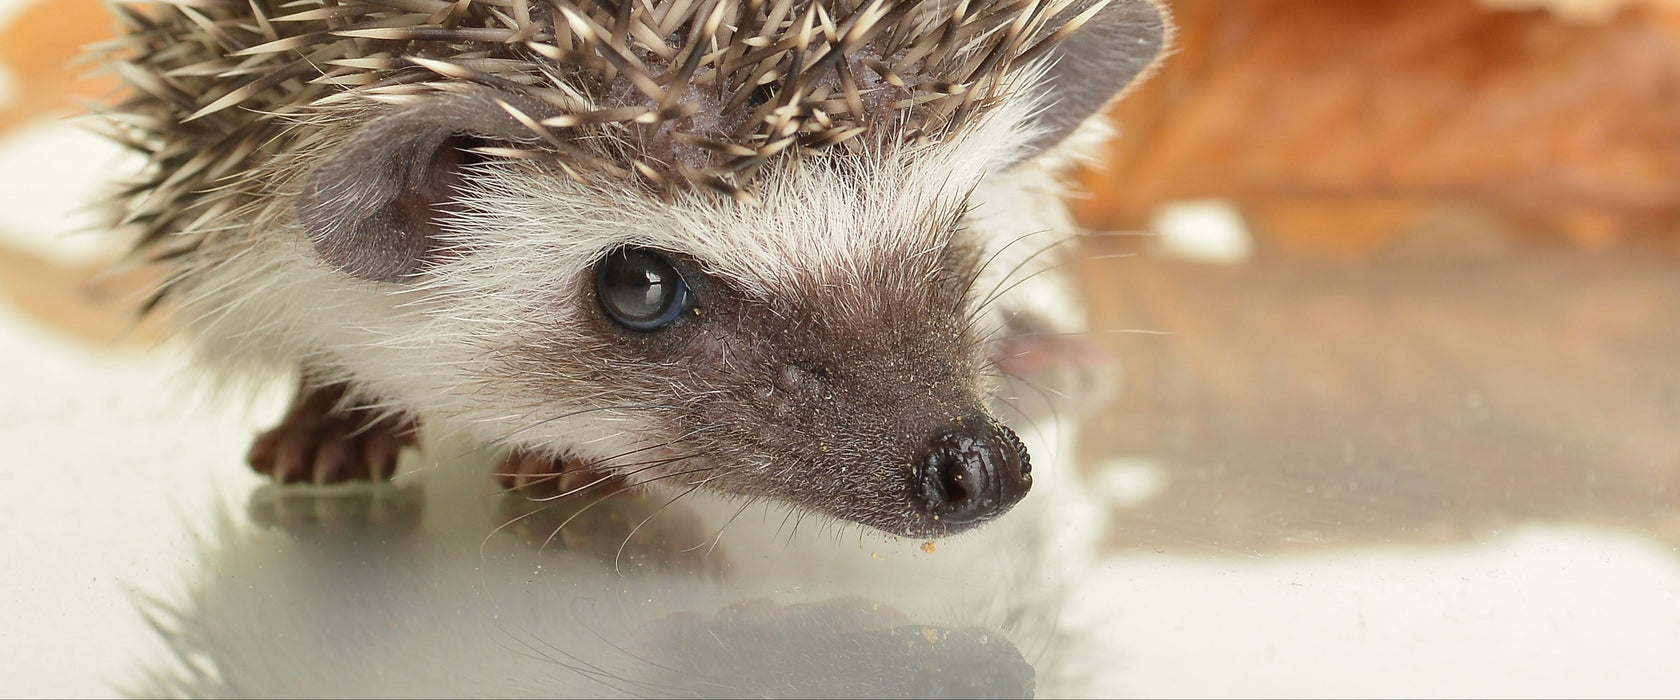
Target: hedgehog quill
{"points": [[757, 246]]}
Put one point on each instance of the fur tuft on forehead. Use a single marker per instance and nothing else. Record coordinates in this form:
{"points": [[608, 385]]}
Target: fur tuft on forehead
{"points": [[884, 215], [665, 94]]}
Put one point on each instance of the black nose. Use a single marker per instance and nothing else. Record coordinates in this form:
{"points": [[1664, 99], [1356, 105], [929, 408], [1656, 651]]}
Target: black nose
{"points": [[973, 470]]}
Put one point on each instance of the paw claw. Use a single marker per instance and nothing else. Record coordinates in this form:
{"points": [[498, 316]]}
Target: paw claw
{"points": [[320, 444], [335, 462], [292, 458], [379, 452], [540, 477], [261, 455]]}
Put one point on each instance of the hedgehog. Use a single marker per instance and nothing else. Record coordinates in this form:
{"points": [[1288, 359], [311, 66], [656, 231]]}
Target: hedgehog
{"points": [[766, 248]]}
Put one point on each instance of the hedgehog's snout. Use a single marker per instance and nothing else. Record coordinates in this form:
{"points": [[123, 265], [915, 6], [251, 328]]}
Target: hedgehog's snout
{"points": [[971, 471]]}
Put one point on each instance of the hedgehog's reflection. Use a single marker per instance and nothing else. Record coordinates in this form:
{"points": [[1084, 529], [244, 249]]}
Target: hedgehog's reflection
{"points": [[399, 591]]}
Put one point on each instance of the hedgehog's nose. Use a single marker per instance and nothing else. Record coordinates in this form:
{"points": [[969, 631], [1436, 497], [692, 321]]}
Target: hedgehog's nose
{"points": [[973, 470]]}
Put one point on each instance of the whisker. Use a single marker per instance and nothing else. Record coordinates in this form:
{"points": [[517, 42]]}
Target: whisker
{"points": [[515, 433], [1100, 331], [718, 536], [798, 519], [1055, 410], [968, 285], [613, 463], [608, 496], [994, 294], [605, 476], [516, 519], [980, 309], [1076, 236], [790, 513], [665, 690], [618, 556], [582, 667], [1056, 243]]}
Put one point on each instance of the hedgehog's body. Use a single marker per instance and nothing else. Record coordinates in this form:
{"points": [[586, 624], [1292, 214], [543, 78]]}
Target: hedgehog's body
{"points": [[736, 244]]}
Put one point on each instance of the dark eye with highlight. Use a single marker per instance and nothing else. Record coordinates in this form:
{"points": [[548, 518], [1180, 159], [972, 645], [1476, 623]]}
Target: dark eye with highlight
{"points": [[640, 290]]}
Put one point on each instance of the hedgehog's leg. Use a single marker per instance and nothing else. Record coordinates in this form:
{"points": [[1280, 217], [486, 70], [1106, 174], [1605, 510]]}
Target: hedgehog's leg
{"points": [[542, 477], [322, 442]]}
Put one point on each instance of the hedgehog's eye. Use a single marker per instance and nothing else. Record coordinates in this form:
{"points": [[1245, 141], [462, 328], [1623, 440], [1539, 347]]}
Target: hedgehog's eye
{"points": [[640, 289]]}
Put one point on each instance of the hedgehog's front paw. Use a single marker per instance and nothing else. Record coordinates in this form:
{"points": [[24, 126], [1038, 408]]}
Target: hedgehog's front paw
{"points": [[321, 442], [539, 477]]}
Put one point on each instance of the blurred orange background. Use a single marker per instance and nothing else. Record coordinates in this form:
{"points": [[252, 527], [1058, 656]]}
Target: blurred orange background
{"points": [[1338, 123], [1335, 124]]}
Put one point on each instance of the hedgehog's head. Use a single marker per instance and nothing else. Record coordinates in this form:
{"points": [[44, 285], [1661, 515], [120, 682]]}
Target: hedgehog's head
{"points": [[814, 334]]}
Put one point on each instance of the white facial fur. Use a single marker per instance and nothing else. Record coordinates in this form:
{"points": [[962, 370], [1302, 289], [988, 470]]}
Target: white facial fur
{"points": [[260, 297]]}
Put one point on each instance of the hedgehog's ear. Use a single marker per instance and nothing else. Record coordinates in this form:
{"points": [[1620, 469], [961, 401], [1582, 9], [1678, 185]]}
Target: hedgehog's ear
{"points": [[374, 209], [1119, 45]]}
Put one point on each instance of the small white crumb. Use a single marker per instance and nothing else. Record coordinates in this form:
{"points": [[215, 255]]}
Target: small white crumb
{"points": [[1204, 230], [1127, 482]]}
